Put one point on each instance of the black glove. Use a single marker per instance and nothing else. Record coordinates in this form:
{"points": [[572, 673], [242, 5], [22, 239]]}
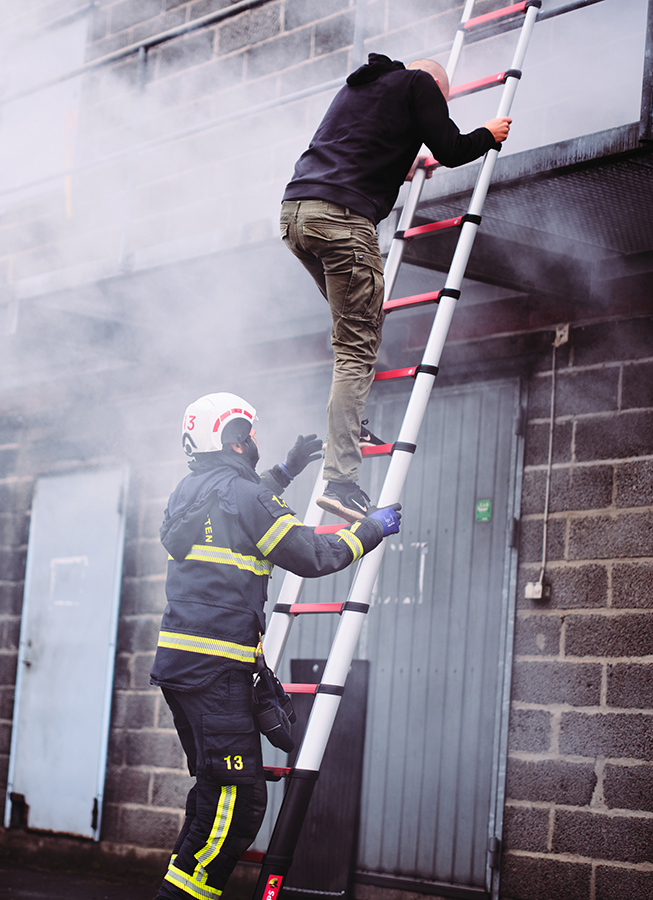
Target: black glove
{"points": [[305, 451]]}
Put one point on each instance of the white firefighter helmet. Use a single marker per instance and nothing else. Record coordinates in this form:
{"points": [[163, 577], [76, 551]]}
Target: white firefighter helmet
{"points": [[213, 419]]}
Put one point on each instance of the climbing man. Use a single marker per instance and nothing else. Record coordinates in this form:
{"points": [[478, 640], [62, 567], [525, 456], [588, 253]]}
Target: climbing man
{"points": [[343, 185], [224, 529]]}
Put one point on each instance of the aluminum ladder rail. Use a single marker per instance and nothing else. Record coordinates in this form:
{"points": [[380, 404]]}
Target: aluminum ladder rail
{"points": [[301, 779]]}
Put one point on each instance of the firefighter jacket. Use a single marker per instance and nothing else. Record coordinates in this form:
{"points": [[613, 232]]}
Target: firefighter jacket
{"points": [[224, 530]]}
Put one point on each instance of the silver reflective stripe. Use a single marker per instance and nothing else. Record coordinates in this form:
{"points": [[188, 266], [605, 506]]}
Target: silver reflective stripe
{"points": [[221, 824], [174, 640], [226, 557], [274, 534], [352, 542], [191, 884]]}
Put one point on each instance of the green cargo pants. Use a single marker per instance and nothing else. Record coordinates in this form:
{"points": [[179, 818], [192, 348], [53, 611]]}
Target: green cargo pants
{"points": [[340, 249]]}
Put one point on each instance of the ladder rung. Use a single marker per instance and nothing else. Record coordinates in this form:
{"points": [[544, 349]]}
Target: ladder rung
{"points": [[409, 302], [505, 12], [419, 230], [472, 87], [395, 373], [275, 773], [254, 856], [300, 688], [297, 609], [377, 450], [329, 529]]}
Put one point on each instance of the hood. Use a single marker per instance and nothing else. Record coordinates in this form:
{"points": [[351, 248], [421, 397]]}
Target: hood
{"points": [[377, 65], [191, 500]]}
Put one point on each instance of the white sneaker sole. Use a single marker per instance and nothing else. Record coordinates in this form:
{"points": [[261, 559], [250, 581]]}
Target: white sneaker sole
{"points": [[332, 505]]}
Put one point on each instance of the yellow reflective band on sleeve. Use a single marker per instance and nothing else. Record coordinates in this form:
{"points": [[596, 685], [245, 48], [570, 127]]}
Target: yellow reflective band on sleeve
{"points": [[174, 640], [194, 884], [352, 542], [221, 825], [226, 557], [273, 535]]}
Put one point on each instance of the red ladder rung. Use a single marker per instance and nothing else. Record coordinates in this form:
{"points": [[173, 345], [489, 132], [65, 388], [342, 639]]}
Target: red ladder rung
{"points": [[329, 529], [277, 771], [300, 688], [377, 450], [409, 302], [482, 84], [497, 14], [390, 374], [297, 609], [411, 233], [254, 856]]}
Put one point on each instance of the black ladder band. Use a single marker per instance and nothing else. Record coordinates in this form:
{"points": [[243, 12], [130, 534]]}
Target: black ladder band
{"points": [[450, 292], [336, 690], [511, 73], [353, 606], [427, 370], [471, 217], [536, 3], [398, 235], [402, 445], [281, 608]]}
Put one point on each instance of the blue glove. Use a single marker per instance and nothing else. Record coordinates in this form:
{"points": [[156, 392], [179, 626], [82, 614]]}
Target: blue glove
{"points": [[306, 450], [389, 517]]}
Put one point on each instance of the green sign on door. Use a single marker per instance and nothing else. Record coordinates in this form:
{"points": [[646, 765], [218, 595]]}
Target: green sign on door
{"points": [[483, 510]]}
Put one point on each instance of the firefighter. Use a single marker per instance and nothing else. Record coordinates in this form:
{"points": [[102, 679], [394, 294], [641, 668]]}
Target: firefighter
{"points": [[224, 529]]}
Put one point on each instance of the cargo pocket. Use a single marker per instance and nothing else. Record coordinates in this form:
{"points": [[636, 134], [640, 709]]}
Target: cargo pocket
{"points": [[232, 748], [326, 231]]}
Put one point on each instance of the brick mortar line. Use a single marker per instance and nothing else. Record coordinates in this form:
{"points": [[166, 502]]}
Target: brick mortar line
{"points": [[565, 807], [584, 660], [574, 515], [583, 417], [574, 758], [603, 612], [556, 709], [594, 367], [581, 860], [588, 464]]}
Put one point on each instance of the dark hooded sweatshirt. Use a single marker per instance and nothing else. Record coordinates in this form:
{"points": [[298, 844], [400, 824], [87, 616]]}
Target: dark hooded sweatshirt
{"points": [[224, 531], [361, 153]]}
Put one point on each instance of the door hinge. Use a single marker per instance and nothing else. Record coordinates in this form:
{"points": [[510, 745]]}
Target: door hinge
{"points": [[520, 421], [94, 815], [514, 533], [494, 852]]}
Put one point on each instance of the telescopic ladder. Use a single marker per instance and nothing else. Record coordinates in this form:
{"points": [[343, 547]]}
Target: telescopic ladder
{"points": [[276, 862]]}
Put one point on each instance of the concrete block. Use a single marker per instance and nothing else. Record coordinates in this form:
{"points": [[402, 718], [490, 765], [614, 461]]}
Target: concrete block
{"points": [[533, 878], [8, 663], [134, 709], [537, 635], [11, 598], [550, 781], [154, 748], [597, 835], [613, 341], [537, 443], [572, 587], [275, 55], [634, 482], [577, 393], [193, 50], [171, 790], [7, 703], [138, 634], [305, 12], [126, 785], [614, 735], [141, 666], [529, 731], [124, 15], [148, 827], [525, 828], [628, 787], [632, 585], [573, 488], [334, 34], [614, 437], [250, 28], [637, 390], [530, 540], [614, 882], [557, 682], [611, 537], [609, 636], [141, 596], [630, 686]]}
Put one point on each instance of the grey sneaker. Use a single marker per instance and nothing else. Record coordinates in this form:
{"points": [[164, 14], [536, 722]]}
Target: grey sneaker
{"points": [[345, 500]]}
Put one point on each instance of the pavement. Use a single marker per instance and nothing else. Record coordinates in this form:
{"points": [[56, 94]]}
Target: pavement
{"points": [[18, 883]]}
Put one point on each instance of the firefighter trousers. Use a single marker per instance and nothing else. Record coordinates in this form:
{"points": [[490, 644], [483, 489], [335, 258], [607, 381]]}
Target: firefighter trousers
{"points": [[226, 805]]}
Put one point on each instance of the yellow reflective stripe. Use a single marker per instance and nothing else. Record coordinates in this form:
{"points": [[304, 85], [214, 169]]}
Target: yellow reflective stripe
{"points": [[273, 535], [221, 824], [226, 557], [191, 884], [352, 542], [174, 640]]}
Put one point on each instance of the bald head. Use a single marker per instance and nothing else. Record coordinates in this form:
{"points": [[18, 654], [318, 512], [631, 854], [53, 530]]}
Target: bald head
{"points": [[436, 70]]}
